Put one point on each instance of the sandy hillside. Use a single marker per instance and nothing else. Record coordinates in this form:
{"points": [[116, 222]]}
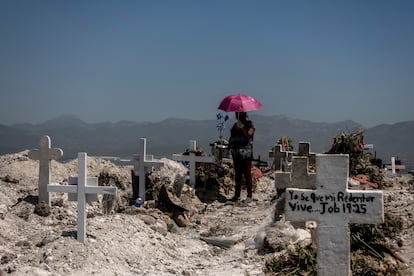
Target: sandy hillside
{"points": [[146, 241]]}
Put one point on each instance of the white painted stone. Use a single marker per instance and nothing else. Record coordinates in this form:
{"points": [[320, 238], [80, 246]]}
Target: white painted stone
{"points": [[82, 190], [333, 207], [192, 159], [45, 154]]}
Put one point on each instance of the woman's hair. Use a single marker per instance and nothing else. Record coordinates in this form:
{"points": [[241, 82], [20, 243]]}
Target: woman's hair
{"points": [[241, 115]]}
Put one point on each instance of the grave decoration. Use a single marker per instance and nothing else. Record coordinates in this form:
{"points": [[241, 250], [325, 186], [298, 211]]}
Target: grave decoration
{"points": [[192, 158], [45, 154], [333, 207], [82, 189], [220, 148], [362, 163], [351, 143]]}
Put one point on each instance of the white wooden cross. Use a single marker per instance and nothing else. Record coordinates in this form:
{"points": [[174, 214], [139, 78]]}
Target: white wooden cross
{"points": [[85, 190], [45, 154], [333, 207], [140, 162], [192, 159]]}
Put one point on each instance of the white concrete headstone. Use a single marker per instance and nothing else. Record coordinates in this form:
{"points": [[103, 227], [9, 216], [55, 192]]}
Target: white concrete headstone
{"points": [[192, 158], [45, 154], [333, 207], [82, 190]]}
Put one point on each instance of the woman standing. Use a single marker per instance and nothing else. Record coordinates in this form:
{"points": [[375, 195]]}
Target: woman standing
{"points": [[241, 146]]}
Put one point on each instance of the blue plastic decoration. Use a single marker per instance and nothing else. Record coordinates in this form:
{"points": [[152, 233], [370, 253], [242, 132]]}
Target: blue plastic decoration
{"points": [[221, 124]]}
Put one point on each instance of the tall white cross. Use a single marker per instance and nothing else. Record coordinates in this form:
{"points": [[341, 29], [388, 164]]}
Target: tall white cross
{"points": [[333, 207], [45, 154], [192, 158], [86, 190]]}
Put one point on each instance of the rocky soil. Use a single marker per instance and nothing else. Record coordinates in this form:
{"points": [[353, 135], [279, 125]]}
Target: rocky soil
{"points": [[215, 238]]}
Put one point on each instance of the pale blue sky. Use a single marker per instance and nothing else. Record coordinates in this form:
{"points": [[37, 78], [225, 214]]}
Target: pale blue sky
{"points": [[323, 61]]}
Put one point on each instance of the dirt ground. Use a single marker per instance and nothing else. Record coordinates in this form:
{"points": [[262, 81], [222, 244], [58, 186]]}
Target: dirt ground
{"points": [[220, 239]]}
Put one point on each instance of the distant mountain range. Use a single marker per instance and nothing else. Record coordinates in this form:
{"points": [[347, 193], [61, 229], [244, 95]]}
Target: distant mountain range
{"points": [[170, 136]]}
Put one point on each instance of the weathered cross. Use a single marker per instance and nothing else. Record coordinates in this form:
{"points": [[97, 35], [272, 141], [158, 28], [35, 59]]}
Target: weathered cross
{"points": [[298, 177], [304, 150], [192, 159], [85, 190], [333, 207], [45, 154], [140, 162]]}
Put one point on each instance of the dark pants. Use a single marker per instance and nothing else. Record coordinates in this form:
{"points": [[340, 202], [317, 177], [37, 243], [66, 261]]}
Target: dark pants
{"points": [[243, 168]]}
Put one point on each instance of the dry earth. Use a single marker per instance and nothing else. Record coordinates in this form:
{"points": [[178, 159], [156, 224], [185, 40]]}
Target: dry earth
{"points": [[143, 240]]}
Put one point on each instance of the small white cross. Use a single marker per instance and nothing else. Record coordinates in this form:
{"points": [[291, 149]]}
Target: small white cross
{"points": [[83, 190], [45, 154], [192, 159]]}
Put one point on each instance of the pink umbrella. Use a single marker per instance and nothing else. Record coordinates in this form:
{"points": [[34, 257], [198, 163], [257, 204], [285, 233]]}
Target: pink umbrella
{"points": [[239, 103]]}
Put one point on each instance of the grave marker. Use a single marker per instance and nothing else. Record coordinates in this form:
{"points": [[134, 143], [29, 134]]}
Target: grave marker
{"points": [[304, 150], [192, 159], [298, 177], [280, 157], [140, 162], [45, 154], [85, 190], [333, 207]]}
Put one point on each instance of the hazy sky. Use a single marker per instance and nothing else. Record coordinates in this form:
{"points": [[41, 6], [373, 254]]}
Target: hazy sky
{"points": [[323, 61]]}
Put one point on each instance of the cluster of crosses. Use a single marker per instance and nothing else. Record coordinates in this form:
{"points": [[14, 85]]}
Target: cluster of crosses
{"points": [[320, 196], [84, 189]]}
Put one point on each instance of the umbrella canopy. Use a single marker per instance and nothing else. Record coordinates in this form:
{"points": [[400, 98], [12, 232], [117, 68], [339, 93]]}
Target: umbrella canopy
{"points": [[239, 103]]}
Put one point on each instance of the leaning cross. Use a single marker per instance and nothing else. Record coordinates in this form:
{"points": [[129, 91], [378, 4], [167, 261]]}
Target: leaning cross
{"points": [[45, 154], [86, 190], [192, 159], [333, 207]]}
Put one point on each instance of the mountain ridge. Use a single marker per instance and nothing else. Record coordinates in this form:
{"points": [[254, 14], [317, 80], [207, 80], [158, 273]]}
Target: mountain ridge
{"points": [[172, 135]]}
